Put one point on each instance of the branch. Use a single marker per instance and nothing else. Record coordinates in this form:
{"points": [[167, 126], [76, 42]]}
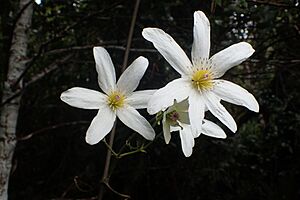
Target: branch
{"points": [[80, 48], [53, 66], [92, 198], [295, 61], [105, 177], [130, 34], [110, 148], [56, 126], [58, 36], [116, 192], [273, 3]]}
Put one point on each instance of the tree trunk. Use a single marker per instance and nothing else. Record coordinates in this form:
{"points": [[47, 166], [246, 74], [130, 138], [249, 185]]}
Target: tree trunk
{"points": [[9, 111]]}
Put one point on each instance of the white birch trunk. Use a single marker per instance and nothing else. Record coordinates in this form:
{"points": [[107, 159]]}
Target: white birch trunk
{"points": [[9, 112]]}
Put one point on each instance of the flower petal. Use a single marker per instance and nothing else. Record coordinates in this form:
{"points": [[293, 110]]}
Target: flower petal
{"points": [[131, 118], [105, 69], [169, 49], [217, 109], [213, 130], [101, 125], [230, 57], [201, 43], [187, 140], [166, 129], [177, 89], [182, 106], [184, 117], [196, 112], [235, 94], [140, 99], [130, 78], [83, 98], [175, 128]]}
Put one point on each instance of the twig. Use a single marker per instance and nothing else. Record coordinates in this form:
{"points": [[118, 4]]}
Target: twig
{"points": [[279, 61], [110, 148], [92, 198], [53, 66], [272, 3], [79, 48], [141, 149], [58, 36], [105, 177], [77, 184], [129, 40], [127, 142], [30, 135], [116, 192]]}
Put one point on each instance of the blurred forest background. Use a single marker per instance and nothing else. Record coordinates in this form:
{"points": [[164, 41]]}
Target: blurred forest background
{"points": [[52, 161]]}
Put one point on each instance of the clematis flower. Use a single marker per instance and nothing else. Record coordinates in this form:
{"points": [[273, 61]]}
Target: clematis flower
{"points": [[199, 79], [176, 118], [119, 99]]}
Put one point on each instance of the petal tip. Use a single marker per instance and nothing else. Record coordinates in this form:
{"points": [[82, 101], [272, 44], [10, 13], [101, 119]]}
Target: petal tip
{"points": [[187, 154], [90, 141], [96, 49], [144, 61], [146, 32], [150, 110], [232, 126], [249, 48], [151, 137], [98, 52], [233, 129], [223, 136], [62, 95], [255, 106], [201, 15], [256, 109]]}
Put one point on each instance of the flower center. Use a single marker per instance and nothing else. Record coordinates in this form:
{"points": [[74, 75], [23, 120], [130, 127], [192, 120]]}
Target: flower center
{"points": [[115, 100], [172, 117], [202, 80]]}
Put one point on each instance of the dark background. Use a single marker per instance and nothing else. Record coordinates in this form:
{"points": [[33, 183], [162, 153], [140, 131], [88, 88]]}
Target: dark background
{"points": [[260, 161]]}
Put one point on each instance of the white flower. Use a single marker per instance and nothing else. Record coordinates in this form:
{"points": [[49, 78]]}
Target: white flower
{"points": [[176, 118], [118, 100], [198, 80]]}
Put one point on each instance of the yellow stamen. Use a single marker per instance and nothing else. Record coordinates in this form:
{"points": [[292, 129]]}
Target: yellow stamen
{"points": [[115, 100], [202, 80]]}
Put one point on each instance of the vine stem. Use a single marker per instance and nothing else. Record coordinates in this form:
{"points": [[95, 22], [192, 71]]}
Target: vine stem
{"points": [[105, 177], [130, 34]]}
